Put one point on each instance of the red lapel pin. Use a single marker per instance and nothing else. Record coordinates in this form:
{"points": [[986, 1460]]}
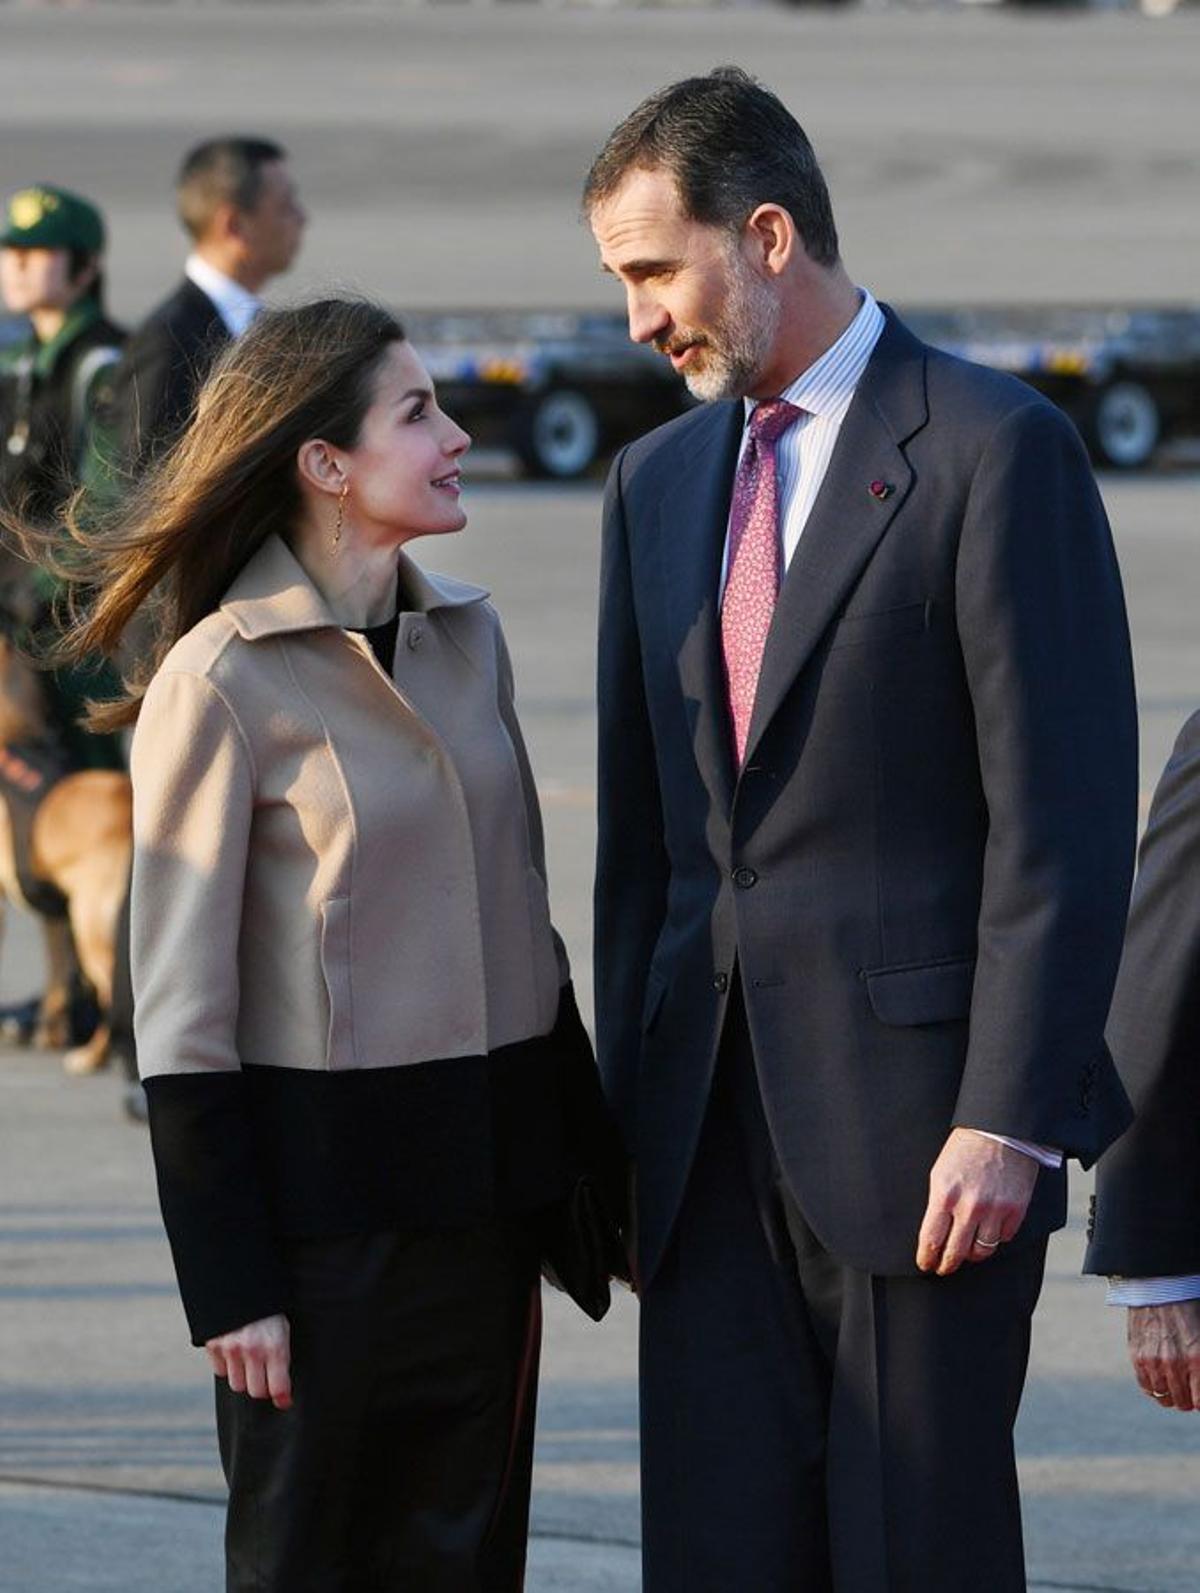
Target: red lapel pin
{"points": [[881, 490]]}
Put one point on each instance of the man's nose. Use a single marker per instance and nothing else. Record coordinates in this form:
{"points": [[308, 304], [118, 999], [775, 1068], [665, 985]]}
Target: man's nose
{"points": [[647, 318]]}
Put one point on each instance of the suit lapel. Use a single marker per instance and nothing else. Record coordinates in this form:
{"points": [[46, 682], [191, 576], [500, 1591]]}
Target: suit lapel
{"points": [[693, 522], [847, 521]]}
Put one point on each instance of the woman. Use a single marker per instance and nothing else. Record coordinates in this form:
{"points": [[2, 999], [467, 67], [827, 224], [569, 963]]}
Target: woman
{"points": [[353, 1017]]}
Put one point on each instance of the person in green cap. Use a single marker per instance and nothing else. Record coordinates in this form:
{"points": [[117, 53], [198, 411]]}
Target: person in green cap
{"points": [[54, 383], [55, 390]]}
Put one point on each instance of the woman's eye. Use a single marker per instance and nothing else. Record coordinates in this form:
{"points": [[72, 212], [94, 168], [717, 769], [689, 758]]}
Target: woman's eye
{"points": [[417, 413]]}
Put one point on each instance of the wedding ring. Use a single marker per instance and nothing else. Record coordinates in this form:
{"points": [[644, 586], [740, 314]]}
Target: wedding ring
{"points": [[1157, 1395], [987, 1244]]}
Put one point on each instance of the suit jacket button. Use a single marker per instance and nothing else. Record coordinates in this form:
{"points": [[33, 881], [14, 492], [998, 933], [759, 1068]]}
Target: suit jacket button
{"points": [[743, 878], [415, 637], [721, 983]]}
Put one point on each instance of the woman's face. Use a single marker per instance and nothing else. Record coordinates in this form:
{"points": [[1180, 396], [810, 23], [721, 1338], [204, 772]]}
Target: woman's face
{"points": [[37, 279], [403, 472]]}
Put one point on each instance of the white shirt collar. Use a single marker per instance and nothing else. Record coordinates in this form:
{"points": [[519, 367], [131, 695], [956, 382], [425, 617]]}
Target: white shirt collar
{"points": [[828, 385], [236, 305]]}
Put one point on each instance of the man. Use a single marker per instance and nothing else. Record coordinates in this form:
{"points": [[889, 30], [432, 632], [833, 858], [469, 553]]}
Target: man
{"points": [[1145, 1223], [867, 813], [237, 201]]}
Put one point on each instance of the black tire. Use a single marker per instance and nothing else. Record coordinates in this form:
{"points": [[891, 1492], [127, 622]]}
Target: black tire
{"points": [[1124, 425], [557, 435]]}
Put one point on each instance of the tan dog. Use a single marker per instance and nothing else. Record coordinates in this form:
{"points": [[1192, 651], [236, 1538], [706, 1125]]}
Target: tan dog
{"points": [[81, 844]]}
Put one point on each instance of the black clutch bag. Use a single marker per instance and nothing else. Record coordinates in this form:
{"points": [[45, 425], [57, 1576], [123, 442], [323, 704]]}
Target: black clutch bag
{"points": [[582, 1234], [582, 1248]]}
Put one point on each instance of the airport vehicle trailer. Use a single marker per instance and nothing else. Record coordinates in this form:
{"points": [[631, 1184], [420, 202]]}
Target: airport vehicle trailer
{"points": [[564, 389]]}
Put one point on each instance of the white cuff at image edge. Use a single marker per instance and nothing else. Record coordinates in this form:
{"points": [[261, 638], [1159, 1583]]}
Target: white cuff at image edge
{"points": [[1153, 1291], [1040, 1153]]}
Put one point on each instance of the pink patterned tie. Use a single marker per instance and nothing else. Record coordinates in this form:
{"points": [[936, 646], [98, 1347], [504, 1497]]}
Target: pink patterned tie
{"points": [[755, 562]]}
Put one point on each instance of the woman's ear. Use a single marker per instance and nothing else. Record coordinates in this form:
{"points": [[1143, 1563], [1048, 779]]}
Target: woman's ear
{"points": [[320, 467]]}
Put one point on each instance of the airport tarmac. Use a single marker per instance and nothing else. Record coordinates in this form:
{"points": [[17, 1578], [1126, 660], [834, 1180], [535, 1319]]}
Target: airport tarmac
{"points": [[108, 1472]]}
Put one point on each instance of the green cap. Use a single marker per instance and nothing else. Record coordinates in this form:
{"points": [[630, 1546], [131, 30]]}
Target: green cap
{"points": [[43, 217]]}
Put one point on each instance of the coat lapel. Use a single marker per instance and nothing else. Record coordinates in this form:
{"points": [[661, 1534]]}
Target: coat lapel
{"points": [[847, 521], [693, 522]]}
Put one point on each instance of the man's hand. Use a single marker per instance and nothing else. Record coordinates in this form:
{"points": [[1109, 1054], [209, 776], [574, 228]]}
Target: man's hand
{"points": [[257, 1360], [979, 1192], [1164, 1346]]}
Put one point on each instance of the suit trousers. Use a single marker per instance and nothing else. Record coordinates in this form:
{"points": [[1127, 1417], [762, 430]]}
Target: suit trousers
{"points": [[406, 1459], [807, 1428]]}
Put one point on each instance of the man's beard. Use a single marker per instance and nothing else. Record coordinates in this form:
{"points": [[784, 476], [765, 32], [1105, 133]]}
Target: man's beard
{"points": [[735, 350]]}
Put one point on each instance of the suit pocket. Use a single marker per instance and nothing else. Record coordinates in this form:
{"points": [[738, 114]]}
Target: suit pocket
{"points": [[932, 992], [855, 630], [335, 968]]}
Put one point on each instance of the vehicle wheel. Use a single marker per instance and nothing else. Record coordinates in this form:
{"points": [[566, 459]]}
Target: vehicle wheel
{"points": [[557, 434], [1124, 425]]}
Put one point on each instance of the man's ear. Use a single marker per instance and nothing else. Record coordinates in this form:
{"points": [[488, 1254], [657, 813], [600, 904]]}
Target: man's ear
{"points": [[771, 238], [226, 224], [320, 468]]}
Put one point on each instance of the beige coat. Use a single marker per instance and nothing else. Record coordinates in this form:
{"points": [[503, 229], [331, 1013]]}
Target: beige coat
{"points": [[334, 870]]}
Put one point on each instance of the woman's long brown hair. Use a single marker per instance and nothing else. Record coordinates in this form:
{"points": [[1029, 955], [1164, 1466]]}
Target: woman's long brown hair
{"points": [[179, 537]]}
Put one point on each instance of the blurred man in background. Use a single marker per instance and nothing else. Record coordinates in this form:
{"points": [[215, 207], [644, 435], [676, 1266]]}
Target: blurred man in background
{"points": [[237, 200], [238, 203]]}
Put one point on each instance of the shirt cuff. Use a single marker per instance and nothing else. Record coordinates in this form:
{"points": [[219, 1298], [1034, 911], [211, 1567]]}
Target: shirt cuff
{"points": [[1153, 1291], [1040, 1153]]}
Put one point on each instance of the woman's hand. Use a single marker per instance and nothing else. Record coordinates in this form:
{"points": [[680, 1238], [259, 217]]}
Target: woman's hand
{"points": [[257, 1360]]}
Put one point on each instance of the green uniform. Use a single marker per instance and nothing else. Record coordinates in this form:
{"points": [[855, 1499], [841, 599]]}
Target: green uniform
{"points": [[53, 398], [55, 402]]}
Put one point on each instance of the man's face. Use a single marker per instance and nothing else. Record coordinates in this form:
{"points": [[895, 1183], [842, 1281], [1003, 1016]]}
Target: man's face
{"points": [[690, 290], [37, 279], [271, 232]]}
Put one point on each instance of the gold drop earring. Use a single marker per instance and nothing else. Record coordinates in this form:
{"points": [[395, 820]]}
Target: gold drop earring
{"points": [[341, 513]]}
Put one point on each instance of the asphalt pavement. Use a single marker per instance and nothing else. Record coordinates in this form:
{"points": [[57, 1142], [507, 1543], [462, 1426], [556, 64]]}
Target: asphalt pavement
{"points": [[108, 1473], [974, 155]]}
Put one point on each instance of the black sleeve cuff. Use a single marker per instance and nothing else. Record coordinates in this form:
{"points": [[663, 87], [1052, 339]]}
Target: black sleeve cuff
{"points": [[226, 1256], [594, 1141]]}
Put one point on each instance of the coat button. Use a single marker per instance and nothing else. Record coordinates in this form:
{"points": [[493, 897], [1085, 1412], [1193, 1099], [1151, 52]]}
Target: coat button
{"points": [[743, 878], [415, 637], [721, 983]]}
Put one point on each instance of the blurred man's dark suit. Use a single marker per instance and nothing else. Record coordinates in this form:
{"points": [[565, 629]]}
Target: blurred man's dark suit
{"points": [[1146, 1217], [164, 365], [903, 914], [155, 389]]}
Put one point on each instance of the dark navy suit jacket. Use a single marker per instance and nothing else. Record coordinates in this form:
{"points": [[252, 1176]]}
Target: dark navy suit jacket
{"points": [[161, 372], [922, 871], [1146, 1219]]}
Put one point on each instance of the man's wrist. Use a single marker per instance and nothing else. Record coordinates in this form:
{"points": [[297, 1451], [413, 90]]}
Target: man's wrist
{"points": [[1046, 1154], [1153, 1291]]}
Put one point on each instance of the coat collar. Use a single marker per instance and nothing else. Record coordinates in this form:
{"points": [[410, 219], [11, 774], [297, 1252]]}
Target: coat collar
{"points": [[273, 596]]}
